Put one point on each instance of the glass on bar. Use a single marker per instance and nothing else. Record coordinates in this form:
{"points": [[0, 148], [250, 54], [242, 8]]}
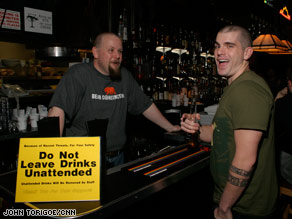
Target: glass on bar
{"points": [[194, 137]]}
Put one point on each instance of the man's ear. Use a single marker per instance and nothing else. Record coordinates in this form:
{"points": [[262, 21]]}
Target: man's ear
{"points": [[248, 51], [95, 52]]}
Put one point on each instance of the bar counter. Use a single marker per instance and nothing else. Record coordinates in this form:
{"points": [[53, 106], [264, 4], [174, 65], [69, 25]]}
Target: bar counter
{"points": [[120, 189]]}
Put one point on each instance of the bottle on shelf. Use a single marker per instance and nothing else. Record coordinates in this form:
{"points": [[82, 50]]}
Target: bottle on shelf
{"points": [[125, 26], [160, 92], [121, 27], [155, 95]]}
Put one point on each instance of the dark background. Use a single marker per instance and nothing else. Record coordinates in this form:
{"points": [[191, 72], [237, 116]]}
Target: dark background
{"points": [[77, 22]]}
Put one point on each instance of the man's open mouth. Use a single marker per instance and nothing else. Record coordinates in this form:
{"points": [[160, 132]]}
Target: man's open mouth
{"points": [[223, 61]]}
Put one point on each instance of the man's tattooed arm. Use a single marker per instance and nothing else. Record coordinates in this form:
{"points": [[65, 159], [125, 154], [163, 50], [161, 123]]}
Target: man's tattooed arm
{"points": [[240, 172], [236, 181]]}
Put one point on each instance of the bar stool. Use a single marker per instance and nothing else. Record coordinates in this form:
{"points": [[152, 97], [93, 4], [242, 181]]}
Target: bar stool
{"points": [[286, 189]]}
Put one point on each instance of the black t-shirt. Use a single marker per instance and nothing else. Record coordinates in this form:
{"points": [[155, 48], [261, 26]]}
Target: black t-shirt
{"points": [[85, 94], [283, 123]]}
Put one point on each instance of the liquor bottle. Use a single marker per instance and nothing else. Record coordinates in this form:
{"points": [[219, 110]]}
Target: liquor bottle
{"points": [[148, 89], [162, 35], [160, 91], [167, 38], [155, 92], [165, 91], [121, 28], [170, 89], [180, 42], [134, 40], [178, 98], [125, 26], [184, 90], [140, 38], [140, 73]]}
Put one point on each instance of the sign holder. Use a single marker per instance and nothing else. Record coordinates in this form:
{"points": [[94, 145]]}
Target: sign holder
{"points": [[47, 164]]}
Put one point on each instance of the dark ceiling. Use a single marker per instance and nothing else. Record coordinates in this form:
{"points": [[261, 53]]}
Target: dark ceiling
{"points": [[76, 22]]}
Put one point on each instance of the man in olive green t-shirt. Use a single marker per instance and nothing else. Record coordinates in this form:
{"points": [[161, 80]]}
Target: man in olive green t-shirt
{"points": [[242, 133]]}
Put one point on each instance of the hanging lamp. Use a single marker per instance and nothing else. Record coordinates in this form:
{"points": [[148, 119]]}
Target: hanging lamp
{"points": [[287, 52], [268, 43]]}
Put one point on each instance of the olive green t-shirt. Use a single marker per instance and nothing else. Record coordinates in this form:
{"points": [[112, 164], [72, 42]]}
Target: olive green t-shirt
{"points": [[246, 104]]}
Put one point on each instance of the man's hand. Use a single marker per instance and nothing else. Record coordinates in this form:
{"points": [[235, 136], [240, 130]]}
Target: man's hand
{"points": [[220, 214], [282, 93], [188, 123], [175, 128]]}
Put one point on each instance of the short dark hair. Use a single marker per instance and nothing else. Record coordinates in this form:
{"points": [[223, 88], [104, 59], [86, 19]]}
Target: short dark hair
{"points": [[245, 37], [99, 38]]}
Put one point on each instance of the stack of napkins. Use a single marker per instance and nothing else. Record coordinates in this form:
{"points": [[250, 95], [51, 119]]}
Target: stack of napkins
{"points": [[206, 119], [211, 109]]}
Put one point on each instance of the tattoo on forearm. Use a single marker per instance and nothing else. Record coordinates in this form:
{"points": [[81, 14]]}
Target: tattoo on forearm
{"points": [[240, 172], [237, 181]]}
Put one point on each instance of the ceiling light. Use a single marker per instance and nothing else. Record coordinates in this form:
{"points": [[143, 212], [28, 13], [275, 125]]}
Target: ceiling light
{"points": [[287, 52], [268, 43]]}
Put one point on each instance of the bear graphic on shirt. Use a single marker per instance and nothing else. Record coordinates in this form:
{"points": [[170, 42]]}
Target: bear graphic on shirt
{"points": [[110, 90]]}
